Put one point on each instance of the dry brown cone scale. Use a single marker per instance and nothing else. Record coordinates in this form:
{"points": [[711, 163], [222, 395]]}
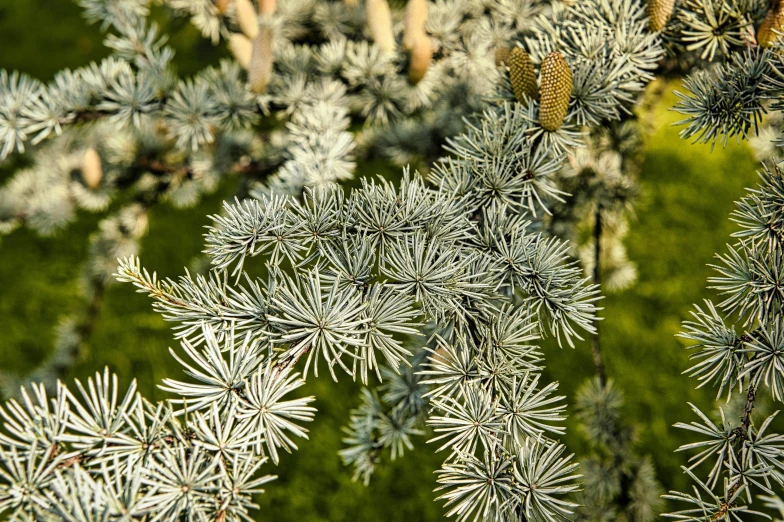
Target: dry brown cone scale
{"points": [[522, 75], [556, 90], [771, 25], [659, 12]]}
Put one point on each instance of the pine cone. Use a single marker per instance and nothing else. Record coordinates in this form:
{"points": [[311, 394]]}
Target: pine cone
{"points": [[241, 48], [659, 11], [774, 21], [260, 67], [247, 18], [267, 7], [421, 55], [502, 55], [379, 20], [556, 81], [222, 5], [522, 75], [414, 22], [92, 171]]}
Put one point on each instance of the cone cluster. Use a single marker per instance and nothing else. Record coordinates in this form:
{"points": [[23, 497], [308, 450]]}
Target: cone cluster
{"points": [[773, 23], [522, 75], [659, 12], [556, 90], [92, 171], [379, 20]]}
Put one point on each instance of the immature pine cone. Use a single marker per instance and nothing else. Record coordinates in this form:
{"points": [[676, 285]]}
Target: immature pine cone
{"points": [[260, 67], [522, 75], [774, 21], [414, 22], [502, 55], [247, 18], [659, 11], [421, 55], [222, 5], [241, 48], [267, 7], [92, 171], [379, 20], [556, 82]]}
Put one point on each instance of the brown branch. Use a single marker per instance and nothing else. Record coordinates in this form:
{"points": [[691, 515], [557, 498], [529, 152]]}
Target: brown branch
{"points": [[597, 253]]}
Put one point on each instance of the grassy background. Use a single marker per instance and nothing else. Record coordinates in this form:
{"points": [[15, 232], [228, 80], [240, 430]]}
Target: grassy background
{"points": [[681, 221]]}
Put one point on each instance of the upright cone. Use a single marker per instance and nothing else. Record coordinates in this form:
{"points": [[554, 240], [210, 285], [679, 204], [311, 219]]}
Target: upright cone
{"points": [[502, 55], [267, 7], [92, 171], [556, 90], [773, 22], [221, 6], [414, 23], [379, 19], [421, 56], [247, 18], [260, 67], [659, 11], [522, 75], [241, 48]]}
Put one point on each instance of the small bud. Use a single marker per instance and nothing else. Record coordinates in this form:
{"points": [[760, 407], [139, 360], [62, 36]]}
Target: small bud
{"points": [[556, 90], [414, 22], [92, 171], [421, 55], [267, 7], [502, 55], [773, 23], [379, 19], [260, 67], [241, 48], [247, 18], [659, 11], [522, 75], [222, 6]]}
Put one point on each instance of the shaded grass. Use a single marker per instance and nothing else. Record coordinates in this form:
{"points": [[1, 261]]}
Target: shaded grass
{"points": [[682, 220]]}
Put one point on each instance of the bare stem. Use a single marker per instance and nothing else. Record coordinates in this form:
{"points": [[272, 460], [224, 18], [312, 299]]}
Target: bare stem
{"points": [[597, 253]]}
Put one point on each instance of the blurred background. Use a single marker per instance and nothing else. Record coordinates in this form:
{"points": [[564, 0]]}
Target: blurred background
{"points": [[680, 221]]}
